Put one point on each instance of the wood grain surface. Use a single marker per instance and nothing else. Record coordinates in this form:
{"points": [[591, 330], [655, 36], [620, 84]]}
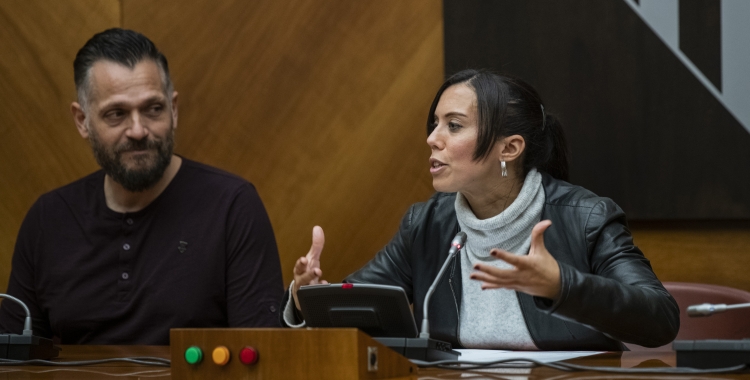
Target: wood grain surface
{"points": [[283, 353], [637, 359], [39, 147], [711, 252], [321, 104]]}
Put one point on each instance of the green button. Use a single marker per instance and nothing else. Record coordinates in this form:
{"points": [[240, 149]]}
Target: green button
{"points": [[193, 355]]}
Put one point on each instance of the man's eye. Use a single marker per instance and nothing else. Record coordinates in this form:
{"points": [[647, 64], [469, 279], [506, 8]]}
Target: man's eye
{"points": [[155, 110], [115, 114]]}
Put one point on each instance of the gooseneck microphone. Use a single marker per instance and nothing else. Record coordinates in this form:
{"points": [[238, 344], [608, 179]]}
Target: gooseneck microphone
{"points": [[27, 322], [425, 348], [26, 346], [707, 309], [458, 242]]}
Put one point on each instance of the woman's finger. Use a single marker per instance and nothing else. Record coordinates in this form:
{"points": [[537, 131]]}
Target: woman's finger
{"points": [[537, 236], [492, 274], [508, 257], [484, 278]]}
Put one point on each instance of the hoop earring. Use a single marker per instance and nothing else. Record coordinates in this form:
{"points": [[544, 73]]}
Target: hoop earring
{"points": [[504, 168]]}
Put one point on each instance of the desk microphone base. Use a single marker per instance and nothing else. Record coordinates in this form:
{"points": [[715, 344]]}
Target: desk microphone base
{"points": [[424, 349], [26, 347], [712, 353]]}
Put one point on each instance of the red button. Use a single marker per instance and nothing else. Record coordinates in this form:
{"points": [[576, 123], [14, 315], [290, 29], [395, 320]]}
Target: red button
{"points": [[347, 286], [248, 356]]}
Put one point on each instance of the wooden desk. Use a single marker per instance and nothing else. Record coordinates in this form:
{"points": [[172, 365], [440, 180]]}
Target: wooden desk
{"points": [[131, 371]]}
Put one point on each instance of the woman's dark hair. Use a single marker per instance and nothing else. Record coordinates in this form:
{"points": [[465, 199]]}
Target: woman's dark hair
{"points": [[509, 106]]}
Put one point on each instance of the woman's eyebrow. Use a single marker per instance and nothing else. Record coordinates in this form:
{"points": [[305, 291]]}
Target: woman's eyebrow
{"points": [[449, 114]]}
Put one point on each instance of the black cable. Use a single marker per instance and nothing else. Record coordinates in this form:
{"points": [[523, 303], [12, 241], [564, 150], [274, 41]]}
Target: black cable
{"points": [[144, 360], [561, 366]]}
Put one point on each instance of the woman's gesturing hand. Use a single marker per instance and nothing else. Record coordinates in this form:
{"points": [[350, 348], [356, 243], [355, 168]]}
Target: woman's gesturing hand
{"points": [[536, 274], [307, 269]]}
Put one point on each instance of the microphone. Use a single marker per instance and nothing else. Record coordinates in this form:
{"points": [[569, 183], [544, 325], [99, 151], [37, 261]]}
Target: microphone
{"points": [[424, 348], [27, 346], [27, 322], [458, 242], [712, 353], [707, 309]]}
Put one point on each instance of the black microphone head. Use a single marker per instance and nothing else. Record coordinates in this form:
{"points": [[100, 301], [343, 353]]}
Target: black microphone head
{"points": [[459, 240]]}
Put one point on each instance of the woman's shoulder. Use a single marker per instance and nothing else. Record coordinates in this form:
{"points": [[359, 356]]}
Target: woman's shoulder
{"points": [[564, 194], [438, 202], [439, 207]]}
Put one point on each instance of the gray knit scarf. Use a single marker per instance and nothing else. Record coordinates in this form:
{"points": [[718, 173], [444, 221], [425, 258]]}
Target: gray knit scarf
{"points": [[493, 318]]}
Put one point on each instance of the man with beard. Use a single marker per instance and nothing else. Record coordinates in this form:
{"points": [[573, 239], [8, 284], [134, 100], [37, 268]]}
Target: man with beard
{"points": [[153, 240]]}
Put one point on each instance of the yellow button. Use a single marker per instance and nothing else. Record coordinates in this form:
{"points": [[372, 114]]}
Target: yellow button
{"points": [[221, 355]]}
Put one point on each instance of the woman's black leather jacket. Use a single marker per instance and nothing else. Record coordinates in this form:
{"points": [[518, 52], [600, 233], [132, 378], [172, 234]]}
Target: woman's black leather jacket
{"points": [[609, 293]]}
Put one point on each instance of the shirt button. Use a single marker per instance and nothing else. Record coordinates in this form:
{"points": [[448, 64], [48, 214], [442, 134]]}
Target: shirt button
{"points": [[125, 275], [272, 308], [126, 246], [129, 221]]}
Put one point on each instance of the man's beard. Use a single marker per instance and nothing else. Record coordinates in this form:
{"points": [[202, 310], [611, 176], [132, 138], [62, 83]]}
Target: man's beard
{"points": [[135, 180]]}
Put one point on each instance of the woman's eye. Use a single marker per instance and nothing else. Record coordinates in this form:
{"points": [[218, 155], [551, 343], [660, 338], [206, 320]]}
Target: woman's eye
{"points": [[453, 126]]}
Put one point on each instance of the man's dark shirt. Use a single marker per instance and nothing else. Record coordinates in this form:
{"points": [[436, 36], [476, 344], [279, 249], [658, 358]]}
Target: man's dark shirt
{"points": [[202, 254]]}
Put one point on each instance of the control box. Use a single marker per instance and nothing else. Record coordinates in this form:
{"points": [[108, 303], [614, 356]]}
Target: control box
{"points": [[282, 353]]}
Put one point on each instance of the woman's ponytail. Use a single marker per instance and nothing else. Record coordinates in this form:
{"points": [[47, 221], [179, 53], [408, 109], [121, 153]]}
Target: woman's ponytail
{"points": [[556, 163]]}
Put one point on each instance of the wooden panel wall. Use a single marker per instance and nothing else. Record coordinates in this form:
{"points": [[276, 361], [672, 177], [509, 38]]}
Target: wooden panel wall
{"points": [[39, 146], [708, 252], [322, 104]]}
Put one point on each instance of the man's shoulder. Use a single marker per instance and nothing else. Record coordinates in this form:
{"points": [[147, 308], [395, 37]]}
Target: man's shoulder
{"points": [[197, 180], [79, 190], [211, 176]]}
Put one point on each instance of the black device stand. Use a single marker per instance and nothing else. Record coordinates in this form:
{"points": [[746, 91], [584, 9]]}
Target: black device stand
{"points": [[424, 349], [27, 347]]}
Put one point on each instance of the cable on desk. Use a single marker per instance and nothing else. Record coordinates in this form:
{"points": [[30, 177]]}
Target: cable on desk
{"points": [[530, 363], [141, 360]]}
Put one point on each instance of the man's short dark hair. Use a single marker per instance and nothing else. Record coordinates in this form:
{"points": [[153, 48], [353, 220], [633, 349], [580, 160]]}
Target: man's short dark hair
{"points": [[123, 46]]}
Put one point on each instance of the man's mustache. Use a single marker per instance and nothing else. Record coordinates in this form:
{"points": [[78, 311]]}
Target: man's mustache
{"points": [[133, 145]]}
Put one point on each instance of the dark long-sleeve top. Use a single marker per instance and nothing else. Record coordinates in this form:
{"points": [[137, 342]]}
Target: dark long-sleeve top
{"points": [[202, 254]]}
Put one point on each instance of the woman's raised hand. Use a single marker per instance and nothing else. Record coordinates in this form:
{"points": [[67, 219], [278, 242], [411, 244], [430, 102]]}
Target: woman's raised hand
{"points": [[536, 274], [307, 269]]}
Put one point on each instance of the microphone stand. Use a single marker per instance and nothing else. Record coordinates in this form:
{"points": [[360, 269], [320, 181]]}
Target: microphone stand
{"points": [[425, 348], [26, 346], [712, 353]]}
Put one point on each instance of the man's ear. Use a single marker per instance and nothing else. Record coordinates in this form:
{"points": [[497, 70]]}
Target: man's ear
{"points": [[512, 148], [174, 109], [79, 117]]}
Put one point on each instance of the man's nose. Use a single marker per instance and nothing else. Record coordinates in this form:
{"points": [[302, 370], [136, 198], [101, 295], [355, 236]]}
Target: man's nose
{"points": [[138, 129]]}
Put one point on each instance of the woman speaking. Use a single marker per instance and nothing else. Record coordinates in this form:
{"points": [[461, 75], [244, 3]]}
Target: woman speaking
{"points": [[547, 265]]}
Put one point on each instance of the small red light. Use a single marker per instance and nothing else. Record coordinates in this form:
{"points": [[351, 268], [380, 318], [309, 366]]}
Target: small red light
{"points": [[248, 356], [347, 286]]}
